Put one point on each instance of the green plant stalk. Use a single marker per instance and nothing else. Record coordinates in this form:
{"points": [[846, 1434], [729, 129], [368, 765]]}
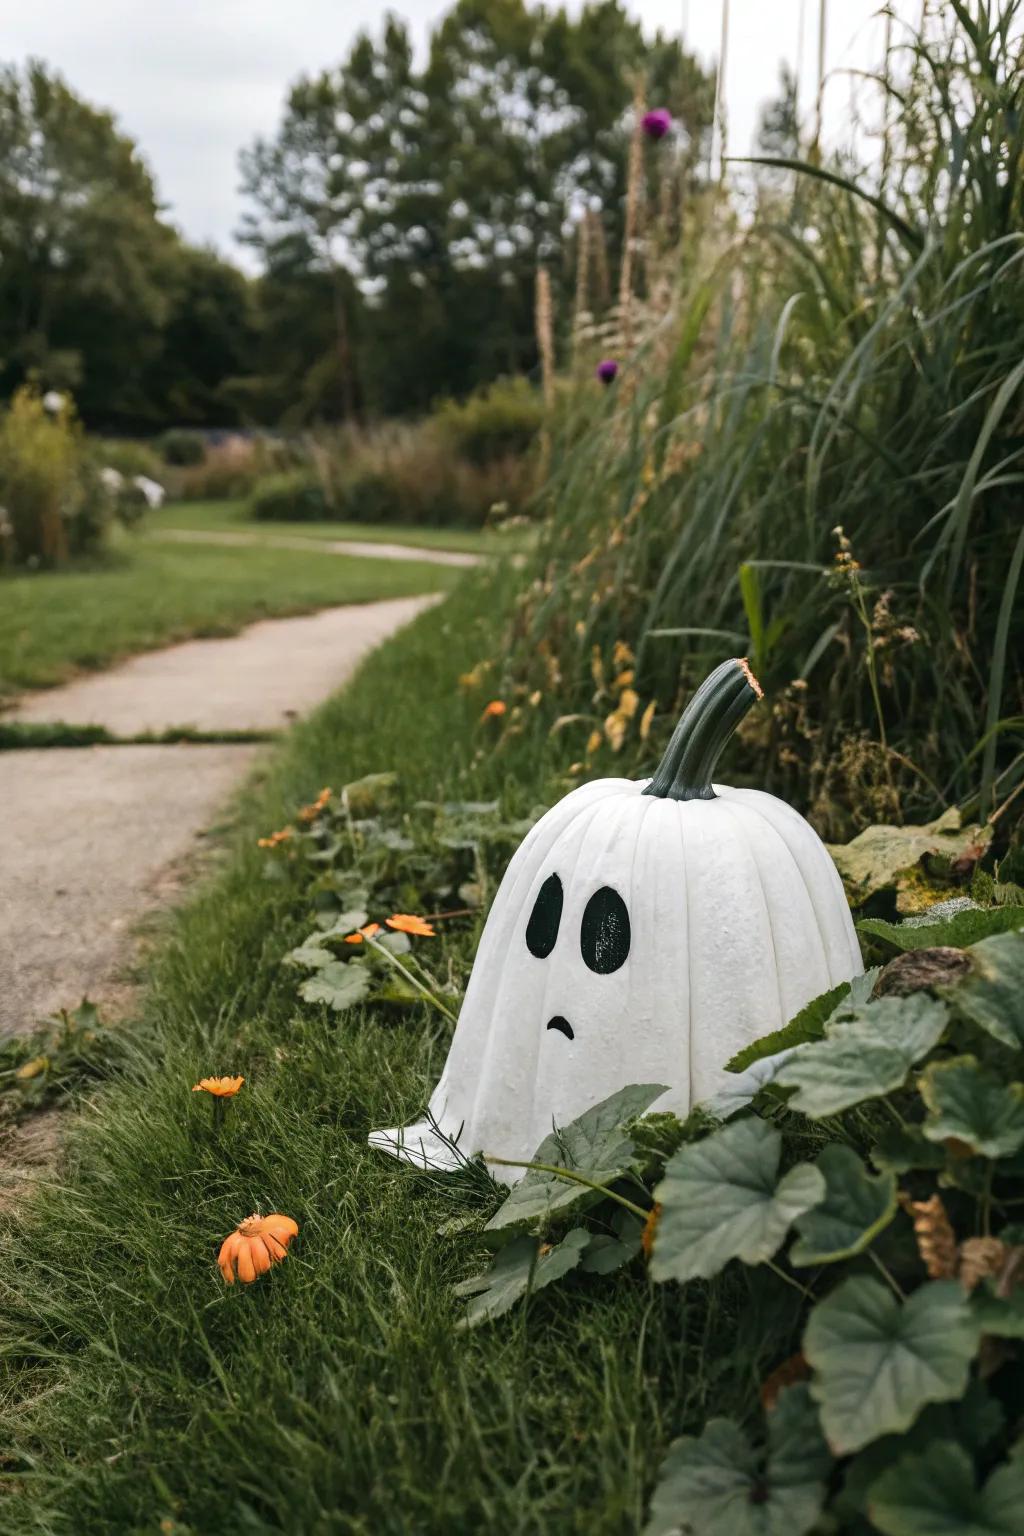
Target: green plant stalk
{"points": [[424, 991], [574, 1178]]}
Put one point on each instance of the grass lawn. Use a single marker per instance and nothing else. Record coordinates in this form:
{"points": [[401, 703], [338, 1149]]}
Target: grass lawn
{"points": [[334, 1395], [144, 595], [233, 516]]}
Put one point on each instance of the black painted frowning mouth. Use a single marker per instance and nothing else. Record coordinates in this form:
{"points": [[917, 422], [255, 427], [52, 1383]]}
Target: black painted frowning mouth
{"points": [[562, 1025]]}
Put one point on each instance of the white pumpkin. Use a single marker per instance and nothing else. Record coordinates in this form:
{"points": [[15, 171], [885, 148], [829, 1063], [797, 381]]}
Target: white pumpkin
{"points": [[644, 932]]}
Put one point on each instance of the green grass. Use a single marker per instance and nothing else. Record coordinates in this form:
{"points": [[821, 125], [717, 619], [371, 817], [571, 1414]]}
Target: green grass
{"points": [[144, 595], [333, 1396], [233, 517]]}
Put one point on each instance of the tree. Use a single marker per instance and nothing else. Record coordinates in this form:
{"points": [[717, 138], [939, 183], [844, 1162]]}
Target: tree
{"points": [[439, 191], [84, 258]]}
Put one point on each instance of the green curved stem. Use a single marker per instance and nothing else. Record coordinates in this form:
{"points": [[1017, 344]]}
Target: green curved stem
{"points": [[574, 1178], [708, 721]]}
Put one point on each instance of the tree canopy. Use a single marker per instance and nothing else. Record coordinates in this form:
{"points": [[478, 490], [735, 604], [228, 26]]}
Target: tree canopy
{"points": [[399, 214]]}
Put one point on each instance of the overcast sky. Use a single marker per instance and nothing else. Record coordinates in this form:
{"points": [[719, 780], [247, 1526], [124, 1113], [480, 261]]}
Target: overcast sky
{"points": [[194, 80]]}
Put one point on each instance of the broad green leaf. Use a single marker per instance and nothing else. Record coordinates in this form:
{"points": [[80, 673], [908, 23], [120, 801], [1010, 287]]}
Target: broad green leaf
{"points": [[991, 995], [866, 1053], [878, 1360], [745, 1087], [1003, 1317], [343, 923], [717, 1484], [310, 954], [722, 1199], [876, 858], [855, 1209], [370, 793], [595, 1145], [957, 931], [808, 1024], [339, 985], [970, 1103], [898, 1149], [519, 1268], [934, 1494], [605, 1253]]}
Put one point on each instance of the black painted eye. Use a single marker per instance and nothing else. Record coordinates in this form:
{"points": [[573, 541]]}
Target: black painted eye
{"points": [[604, 932], [542, 929]]}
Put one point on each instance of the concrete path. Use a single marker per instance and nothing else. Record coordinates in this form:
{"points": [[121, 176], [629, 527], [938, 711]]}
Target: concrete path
{"points": [[91, 839], [363, 547], [259, 679], [94, 838]]}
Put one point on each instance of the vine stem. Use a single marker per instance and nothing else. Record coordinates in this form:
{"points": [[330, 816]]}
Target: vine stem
{"points": [[424, 991], [885, 1273], [573, 1177], [789, 1279]]}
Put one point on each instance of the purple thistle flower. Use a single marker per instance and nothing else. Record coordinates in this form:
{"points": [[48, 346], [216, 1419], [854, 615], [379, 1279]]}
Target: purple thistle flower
{"points": [[657, 123], [607, 369]]}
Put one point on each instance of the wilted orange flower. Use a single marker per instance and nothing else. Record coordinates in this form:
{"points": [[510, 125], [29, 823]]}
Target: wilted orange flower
{"points": [[408, 922], [220, 1087], [369, 932], [650, 1227], [494, 709], [311, 812], [256, 1244], [276, 837]]}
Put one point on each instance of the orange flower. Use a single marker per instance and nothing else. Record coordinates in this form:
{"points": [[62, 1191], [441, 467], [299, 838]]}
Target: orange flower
{"points": [[220, 1087], [256, 1244], [650, 1227], [276, 837], [407, 922], [311, 812], [494, 709], [362, 933]]}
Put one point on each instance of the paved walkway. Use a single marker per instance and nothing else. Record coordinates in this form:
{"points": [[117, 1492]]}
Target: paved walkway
{"points": [[96, 837], [257, 680], [363, 547]]}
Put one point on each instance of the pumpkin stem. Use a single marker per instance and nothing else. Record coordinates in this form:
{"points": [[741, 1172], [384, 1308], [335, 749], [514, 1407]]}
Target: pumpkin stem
{"points": [[707, 722]]}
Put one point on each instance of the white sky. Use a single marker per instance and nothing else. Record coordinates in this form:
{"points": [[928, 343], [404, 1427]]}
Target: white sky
{"points": [[193, 81]]}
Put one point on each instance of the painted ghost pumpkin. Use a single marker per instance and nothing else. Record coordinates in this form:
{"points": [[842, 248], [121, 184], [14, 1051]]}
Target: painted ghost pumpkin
{"points": [[644, 932]]}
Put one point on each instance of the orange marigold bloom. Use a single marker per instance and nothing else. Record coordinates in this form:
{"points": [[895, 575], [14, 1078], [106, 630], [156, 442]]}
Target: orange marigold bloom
{"points": [[360, 934], [220, 1087], [256, 1244], [311, 812], [275, 838], [408, 922], [650, 1227], [494, 709]]}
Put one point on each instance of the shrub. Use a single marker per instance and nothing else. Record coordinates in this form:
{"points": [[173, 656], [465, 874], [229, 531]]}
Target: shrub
{"points": [[411, 475], [53, 502], [294, 497], [494, 424], [181, 447], [232, 468], [129, 456]]}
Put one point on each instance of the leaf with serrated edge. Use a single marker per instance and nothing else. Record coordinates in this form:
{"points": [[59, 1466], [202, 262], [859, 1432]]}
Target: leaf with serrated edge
{"points": [[991, 994], [594, 1145], [339, 985], [518, 1269], [722, 1199], [934, 1494], [866, 1053], [877, 1361], [714, 1484], [855, 1209], [958, 930], [969, 1103]]}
